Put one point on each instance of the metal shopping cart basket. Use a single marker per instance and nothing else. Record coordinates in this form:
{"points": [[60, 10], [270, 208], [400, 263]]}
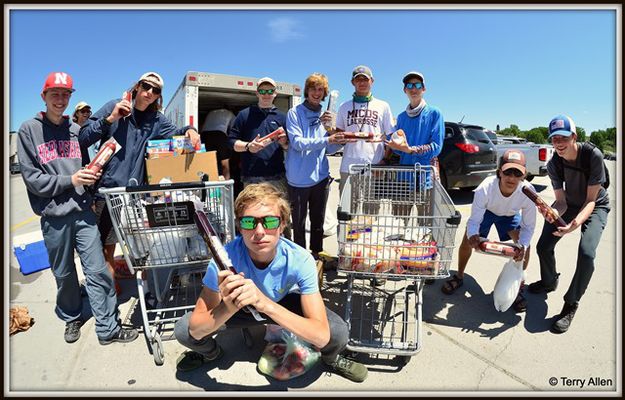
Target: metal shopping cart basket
{"points": [[162, 247], [397, 227]]}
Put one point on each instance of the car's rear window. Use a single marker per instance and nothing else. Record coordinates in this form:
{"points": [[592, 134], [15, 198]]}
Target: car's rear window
{"points": [[477, 135]]}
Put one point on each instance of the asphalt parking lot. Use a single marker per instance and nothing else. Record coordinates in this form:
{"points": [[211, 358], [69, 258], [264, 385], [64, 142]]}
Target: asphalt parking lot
{"points": [[466, 345]]}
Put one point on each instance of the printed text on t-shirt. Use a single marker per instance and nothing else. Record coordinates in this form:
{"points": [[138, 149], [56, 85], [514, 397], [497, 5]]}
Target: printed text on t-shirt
{"points": [[362, 117]]}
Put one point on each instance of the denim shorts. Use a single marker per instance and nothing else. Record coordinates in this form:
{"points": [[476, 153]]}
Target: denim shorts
{"points": [[503, 224]]}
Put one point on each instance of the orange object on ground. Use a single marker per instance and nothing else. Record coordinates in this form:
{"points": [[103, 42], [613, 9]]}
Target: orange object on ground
{"points": [[19, 319]]}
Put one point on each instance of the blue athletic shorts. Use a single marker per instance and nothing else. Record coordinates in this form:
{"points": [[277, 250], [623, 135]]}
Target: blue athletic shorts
{"points": [[503, 224]]}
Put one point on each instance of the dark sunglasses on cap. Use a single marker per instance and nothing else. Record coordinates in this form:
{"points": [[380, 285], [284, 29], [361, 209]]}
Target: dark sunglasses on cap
{"points": [[513, 172], [268, 222], [266, 91], [416, 85], [146, 86]]}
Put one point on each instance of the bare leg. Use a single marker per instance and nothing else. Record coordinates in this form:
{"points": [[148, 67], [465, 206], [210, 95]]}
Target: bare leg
{"points": [[464, 253]]}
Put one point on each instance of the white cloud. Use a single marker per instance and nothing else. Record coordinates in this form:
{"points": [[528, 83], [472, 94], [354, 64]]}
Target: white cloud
{"points": [[284, 29]]}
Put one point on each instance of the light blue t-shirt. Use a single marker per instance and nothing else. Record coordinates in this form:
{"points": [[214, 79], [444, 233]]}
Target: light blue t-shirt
{"points": [[292, 270]]}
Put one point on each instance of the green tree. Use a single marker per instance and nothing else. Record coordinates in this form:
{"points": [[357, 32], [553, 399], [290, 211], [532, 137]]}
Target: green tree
{"points": [[597, 138], [537, 135], [611, 135], [513, 130], [581, 134]]}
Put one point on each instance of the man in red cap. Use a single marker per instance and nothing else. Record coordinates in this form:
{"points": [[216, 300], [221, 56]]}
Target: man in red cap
{"points": [[50, 161], [499, 201]]}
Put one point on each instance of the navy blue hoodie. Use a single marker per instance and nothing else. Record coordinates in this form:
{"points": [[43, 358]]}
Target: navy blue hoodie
{"points": [[249, 123], [132, 133]]}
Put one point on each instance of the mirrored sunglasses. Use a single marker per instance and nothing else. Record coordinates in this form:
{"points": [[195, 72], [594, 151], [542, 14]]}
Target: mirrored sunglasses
{"points": [[513, 172], [146, 86], [416, 85], [266, 91], [268, 222]]}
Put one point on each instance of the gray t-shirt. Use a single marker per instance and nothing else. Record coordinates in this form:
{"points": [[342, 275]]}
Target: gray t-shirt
{"points": [[575, 184]]}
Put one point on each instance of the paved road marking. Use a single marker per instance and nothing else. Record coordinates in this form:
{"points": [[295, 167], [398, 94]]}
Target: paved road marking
{"points": [[29, 220], [482, 358]]}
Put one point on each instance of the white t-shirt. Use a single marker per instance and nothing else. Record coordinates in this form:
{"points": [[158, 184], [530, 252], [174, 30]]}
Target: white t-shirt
{"points": [[488, 197], [374, 116]]}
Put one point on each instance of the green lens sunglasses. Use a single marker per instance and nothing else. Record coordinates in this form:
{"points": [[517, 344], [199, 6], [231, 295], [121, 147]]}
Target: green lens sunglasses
{"points": [[268, 222], [266, 91]]}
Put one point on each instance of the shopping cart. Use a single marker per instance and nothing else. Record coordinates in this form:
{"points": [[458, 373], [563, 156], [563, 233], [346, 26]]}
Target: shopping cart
{"points": [[162, 247], [397, 227]]}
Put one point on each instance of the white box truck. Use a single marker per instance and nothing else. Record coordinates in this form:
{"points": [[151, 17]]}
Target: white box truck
{"points": [[201, 92]]}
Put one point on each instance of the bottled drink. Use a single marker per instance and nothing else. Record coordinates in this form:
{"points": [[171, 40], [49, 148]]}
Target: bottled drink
{"points": [[398, 137], [332, 108], [126, 96], [103, 156], [549, 213], [498, 248]]}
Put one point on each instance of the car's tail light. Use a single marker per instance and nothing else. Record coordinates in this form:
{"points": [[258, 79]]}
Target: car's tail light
{"points": [[468, 148], [542, 154]]}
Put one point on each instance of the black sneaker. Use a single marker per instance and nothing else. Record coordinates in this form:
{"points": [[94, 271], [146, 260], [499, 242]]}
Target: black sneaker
{"points": [[352, 370], [190, 360], [124, 335], [540, 287], [72, 331], [565, 318]]}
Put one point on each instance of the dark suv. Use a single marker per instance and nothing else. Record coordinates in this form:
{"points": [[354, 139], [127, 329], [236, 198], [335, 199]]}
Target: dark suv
{"points": [[468, 156]]}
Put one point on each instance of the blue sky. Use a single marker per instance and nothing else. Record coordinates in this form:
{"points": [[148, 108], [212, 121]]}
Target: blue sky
{"points": [[491, 66]]}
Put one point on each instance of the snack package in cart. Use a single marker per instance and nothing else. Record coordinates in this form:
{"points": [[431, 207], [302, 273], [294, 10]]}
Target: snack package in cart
{"points": [[286, 356]]}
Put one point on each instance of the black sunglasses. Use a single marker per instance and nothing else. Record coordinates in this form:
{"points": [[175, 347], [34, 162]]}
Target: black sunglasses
{"points": [[513, 172], [146, 86]]}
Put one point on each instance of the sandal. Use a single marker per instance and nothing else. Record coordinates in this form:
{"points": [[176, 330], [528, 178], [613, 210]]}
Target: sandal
{"points": [[452, 284], [520, 303]]}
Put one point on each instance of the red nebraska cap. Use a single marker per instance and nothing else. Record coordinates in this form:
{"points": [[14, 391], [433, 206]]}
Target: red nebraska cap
{"points": [[59, 80]]}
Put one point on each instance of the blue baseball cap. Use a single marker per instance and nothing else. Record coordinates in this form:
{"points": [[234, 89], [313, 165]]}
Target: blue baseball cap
{"points": [[562, 126]]}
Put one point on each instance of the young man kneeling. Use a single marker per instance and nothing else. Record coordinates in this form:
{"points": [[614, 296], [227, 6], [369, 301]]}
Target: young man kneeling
{"points": [[276, 277], [499, 201]]}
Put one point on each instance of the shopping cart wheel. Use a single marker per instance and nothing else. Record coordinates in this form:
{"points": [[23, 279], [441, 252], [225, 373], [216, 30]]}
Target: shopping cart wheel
{"points": [[247, 338], [403, 360], [157, 350]]}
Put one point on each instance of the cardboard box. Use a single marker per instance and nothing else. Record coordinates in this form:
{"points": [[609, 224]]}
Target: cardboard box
{"points": [[183, 168]]}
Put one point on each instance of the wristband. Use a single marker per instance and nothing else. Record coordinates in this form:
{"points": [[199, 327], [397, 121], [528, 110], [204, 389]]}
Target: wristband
{"points": [[106, 121], [247, 146]]}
